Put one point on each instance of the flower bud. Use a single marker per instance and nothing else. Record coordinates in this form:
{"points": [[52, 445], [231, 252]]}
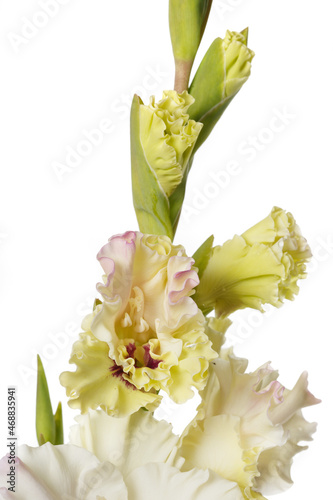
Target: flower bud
{"points": [[259, 267], [163, 138], [223, 71], [280, 231]]}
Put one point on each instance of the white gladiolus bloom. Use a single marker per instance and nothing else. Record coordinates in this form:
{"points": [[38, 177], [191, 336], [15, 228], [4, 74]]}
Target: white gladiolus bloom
{"points": [[68, 472], [248, 426], [164, 482], [62, 472], [127, 442]]}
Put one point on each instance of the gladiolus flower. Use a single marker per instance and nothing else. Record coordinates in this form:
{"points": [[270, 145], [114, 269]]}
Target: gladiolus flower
{"points": [[259, 267], [168, 137], [247, 423], [147, 335], [223, 71], [70, 472]]}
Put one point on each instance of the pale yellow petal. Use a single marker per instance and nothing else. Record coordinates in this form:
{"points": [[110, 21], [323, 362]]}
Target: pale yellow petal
{"points": [[168, 137], [164, 482], [127, 442], [97, 382]]}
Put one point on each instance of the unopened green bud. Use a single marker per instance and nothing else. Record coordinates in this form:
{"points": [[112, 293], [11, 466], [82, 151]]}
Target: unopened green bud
{"points": [[224, 69]]}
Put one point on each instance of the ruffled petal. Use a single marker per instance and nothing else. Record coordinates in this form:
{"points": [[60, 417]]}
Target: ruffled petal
{"points": [[128, 442], [238, 276], [164, 482], [37, 489], [262, 266], [117, 260], [215, 444], [299, 397], [168, 137], [275, 463], [248, 426], [148, 333], [237, 60], [280, 231], [52, 472], [98, 382], [215, 331]]}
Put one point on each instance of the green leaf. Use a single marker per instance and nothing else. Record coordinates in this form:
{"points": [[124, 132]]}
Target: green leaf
{"points": [[41, 440], [187, 22], [203, 254], [177, 198], [150, 202], [59, 428], [45, 424], [222, 72], [209, 106], [245, 33], [96, 303]]}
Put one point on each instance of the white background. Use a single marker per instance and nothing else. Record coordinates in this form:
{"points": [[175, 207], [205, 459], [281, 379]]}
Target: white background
{"points": [[83, 67]]}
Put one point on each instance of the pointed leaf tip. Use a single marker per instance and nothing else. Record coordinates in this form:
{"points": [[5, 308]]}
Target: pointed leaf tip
{"points": [[245, 33], [45, 425], [59, 428], [202, 255]]}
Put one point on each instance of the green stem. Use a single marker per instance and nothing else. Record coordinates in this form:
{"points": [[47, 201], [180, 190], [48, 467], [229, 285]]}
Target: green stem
{"points": [[182, 75]]}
